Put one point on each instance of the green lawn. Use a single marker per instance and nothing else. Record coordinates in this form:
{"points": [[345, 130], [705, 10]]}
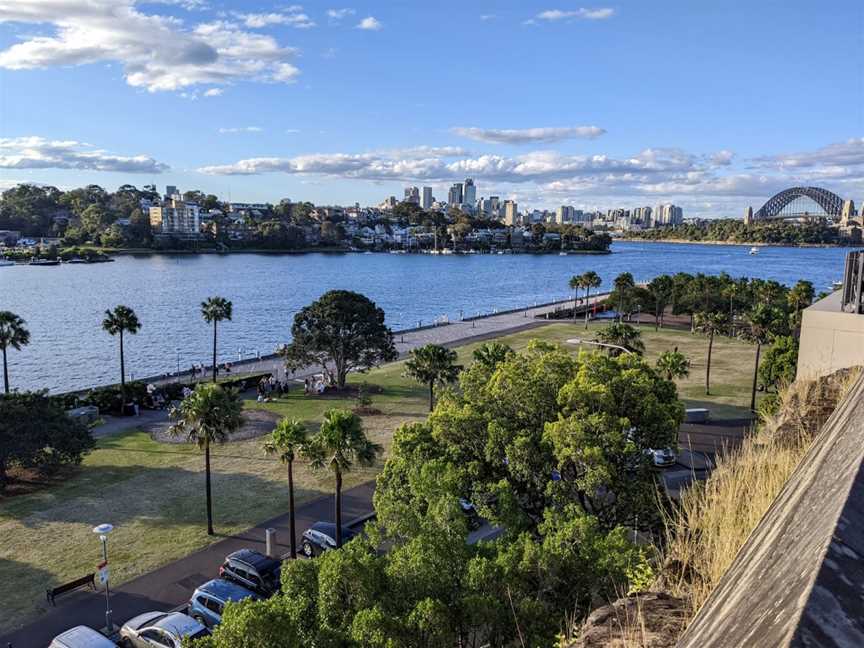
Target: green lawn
{"points": [[153, 492]]}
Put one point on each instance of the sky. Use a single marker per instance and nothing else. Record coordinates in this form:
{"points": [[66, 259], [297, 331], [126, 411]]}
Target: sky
{"points": [[711, 105]]}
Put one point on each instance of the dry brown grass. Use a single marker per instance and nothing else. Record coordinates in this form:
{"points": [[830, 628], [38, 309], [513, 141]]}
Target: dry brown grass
{"points": [[715, 518]]}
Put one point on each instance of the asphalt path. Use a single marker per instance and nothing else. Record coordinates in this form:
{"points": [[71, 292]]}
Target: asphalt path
{"points": [[173, 584]]}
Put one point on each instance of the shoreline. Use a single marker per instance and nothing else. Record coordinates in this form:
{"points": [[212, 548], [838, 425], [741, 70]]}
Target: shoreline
{"points": [[782, 245]]}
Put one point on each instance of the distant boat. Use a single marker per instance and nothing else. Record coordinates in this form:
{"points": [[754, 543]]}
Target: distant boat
{"points": [[76, 260], [754, 250], [44, 262], [562, 254], [4, 262], [837, 285]]}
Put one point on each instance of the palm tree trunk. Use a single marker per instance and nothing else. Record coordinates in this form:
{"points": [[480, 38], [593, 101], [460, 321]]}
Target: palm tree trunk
{"points": [[338, 508], [657, 318], [755, 376], [708, 367], [214, 351], [587, 305], [122, 375], [431, 395], [5, 372], [207, 487], [292, 530]]}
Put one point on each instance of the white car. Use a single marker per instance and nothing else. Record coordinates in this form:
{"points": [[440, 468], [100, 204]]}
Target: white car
{"points": [[160, 630], [81, 637]]}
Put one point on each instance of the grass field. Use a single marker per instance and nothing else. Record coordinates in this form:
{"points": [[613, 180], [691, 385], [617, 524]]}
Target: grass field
{"points": [[152, 492]]}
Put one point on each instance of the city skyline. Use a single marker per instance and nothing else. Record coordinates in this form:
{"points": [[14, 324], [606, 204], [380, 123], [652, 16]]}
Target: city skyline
{"points": [[241, 104]]}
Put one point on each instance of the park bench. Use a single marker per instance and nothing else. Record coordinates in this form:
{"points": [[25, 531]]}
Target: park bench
{"points": [[84, 581]]}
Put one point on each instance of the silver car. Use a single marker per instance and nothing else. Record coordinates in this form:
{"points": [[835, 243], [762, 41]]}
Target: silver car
{"points": [[160, 630], [81, 637]]}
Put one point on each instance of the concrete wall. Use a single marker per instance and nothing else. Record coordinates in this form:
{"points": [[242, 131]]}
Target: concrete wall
{"points": [[830, 339], [798, 581]]}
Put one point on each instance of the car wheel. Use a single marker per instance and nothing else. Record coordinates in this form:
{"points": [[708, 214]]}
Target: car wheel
{"points": [[308, 551]]}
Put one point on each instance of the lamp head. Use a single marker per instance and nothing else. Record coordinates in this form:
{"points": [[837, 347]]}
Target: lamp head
{"points": [[103, 529]]}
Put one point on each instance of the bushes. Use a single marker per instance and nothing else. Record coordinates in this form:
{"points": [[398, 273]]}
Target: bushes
{"points": [[36, 433]]}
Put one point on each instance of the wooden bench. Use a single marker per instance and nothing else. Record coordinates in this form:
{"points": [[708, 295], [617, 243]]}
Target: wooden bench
{"points": [[84, 581]]}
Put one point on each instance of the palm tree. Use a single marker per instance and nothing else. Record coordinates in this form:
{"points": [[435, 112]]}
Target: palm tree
{"points": [[590, 280], [661, 288], [799, 297], [761, 321], [673, 364], [208, 415], [432, 364], [710, 324], [340, 443], [623, 285], [215, 309], [575, 283], [121, 319], [491, 354], [289, 437], [621, 335], [12, 334]]}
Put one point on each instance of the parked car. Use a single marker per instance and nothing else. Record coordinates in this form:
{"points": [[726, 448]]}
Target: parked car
{"points": [[160, 630], [321, 537], [253, 570], [209, 600], [663, 457], [81, 637]]}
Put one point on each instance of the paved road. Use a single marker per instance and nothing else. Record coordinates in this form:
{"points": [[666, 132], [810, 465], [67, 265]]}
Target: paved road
{"points": [[173, 584]]}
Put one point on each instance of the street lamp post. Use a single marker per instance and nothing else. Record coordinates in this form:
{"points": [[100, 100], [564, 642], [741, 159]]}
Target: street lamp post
{"points": [[102, 531]]}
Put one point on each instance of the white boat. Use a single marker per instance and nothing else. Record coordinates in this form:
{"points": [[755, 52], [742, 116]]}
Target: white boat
{"points": [[4, 262], [837, 285], [754, 250], [562, 254]]}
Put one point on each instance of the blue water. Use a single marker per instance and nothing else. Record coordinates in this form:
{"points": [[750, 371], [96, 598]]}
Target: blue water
{"points": [[64, 305]]}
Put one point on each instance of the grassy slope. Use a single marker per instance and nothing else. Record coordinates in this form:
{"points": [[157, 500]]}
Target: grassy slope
{"points": [[153, 492]]}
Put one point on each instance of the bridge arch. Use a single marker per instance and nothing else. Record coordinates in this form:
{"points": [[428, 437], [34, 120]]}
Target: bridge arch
{"points": [[830, 202]]}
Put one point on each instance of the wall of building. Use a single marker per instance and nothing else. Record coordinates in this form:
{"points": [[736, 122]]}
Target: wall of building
{"points": [[830, 339]]}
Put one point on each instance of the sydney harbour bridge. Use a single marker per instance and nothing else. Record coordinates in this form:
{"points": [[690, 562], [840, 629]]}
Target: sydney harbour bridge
{"points": [[803, 203]]}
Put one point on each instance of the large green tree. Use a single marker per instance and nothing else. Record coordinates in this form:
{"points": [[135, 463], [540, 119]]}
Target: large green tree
{"points": [[117, 322], [215, 310], [207, 416], [660, 288], [339, 444], [36, 433], [432, 365], [780, 363], [622, 294], [287, 440], [14, 335], [342, 331]]}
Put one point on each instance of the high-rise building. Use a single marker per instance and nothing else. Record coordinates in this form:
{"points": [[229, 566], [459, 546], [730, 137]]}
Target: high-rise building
{"points": [[668, 215], [847, 213], [176, 217], [412, 195], [454, 196], [564, 214], [748, 216], [511, 214], [427, 201], [469, 196], [170, 191]]}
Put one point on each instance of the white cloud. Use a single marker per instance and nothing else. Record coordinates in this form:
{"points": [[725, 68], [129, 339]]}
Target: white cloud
{"points": [[214, 92], [157, 52], [370, 23], [259, 20], [40, 153], [527, 135], [188, 5], [487, 17], [241, 129], [848, 153], [722, 158], [554, 15], [339, 14]]}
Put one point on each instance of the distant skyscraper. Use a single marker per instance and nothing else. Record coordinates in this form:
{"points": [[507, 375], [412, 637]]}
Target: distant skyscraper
{"points": [[469, 197], [511, 213], [427, 201], [454, 196], [412, 195]]}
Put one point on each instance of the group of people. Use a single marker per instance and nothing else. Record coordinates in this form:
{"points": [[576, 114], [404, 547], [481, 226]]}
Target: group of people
{"points": [[316, 384], [269, 387]]}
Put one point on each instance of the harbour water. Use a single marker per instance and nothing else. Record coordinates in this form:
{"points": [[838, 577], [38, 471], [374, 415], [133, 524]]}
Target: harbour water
{"points": [[64, 305]]}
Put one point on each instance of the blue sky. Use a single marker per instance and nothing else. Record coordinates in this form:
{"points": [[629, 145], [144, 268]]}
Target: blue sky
{"points": [[714, 106]]}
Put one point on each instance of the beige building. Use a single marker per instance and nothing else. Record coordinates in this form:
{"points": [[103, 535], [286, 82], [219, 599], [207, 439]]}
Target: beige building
{"points": [[830, 338], [511, 214], [176, 217]]}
